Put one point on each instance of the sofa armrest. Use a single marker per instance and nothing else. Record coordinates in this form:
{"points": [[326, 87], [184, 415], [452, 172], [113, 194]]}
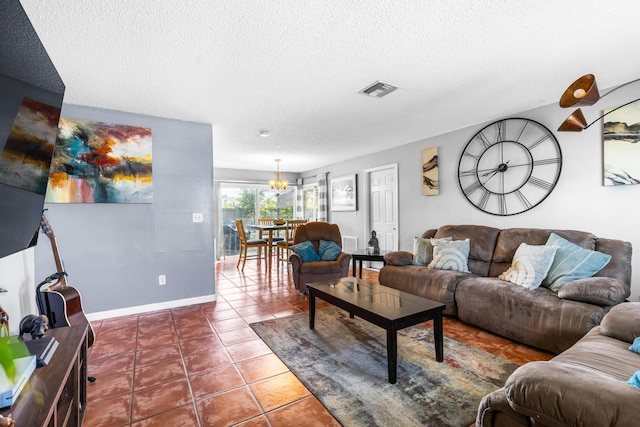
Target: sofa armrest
{"points": [[622, 322], [604, 291], [399, 258], [559, 394], [494, 410], [344, 259]]}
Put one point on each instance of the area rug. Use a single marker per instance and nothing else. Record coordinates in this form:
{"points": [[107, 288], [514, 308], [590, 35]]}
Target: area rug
{"points": [[343, 362]]}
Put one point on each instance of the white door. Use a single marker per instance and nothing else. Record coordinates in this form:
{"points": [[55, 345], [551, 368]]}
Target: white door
{"points": [[383, 206]]}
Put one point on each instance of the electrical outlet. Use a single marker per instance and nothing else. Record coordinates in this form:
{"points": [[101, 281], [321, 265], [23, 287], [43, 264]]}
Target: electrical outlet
{"points": [[162, 280], [198, 217]]}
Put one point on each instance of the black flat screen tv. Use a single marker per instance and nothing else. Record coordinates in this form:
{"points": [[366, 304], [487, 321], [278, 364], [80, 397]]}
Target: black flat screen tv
{"points": [[31, 94]]}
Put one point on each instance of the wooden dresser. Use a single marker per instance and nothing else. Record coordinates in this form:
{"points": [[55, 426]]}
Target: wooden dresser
{"points": [[56, 394]]}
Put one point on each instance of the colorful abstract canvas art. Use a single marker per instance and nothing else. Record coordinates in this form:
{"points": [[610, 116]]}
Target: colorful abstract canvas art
{"points": [[26, 156], [621, 134], [98, 162]]}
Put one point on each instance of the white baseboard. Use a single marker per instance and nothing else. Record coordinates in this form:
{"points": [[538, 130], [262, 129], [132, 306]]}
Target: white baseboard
{"points": [[149, 307]]}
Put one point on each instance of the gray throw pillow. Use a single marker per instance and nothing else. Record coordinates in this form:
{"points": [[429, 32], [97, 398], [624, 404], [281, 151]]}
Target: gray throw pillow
{"points": [[530, 265], [450, 255], [423, 249]]}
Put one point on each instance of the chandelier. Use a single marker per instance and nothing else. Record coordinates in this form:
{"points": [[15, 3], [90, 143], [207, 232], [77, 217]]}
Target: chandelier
{"points": [[278, 186]]}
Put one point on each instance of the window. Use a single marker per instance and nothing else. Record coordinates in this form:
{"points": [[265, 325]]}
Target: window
{"points": [[250, 202], [310, 202]]}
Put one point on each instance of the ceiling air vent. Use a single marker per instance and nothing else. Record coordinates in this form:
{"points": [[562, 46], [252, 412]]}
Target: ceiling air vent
{"points": [[378, 89]]}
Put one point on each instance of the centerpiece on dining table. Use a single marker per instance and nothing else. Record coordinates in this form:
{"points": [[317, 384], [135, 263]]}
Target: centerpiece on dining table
{"points": [[279, 221]]}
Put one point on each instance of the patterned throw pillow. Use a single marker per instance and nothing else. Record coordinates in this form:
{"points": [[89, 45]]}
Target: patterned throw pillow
{"points": [[423, 249], [306, 250], [450, 255], [572, 262], [328, 250], [530, 265]]}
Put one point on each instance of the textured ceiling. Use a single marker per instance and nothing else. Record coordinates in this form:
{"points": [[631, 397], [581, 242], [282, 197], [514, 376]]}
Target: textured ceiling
{"points": [[295, 67]]}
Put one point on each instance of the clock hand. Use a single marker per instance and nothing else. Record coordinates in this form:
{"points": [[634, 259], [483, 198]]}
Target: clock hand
{"points": [[521, 164], [491, 172], [501, 168]]}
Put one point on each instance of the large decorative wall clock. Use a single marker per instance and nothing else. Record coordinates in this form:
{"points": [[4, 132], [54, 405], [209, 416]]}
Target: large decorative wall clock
{"points": [[509, 166]]}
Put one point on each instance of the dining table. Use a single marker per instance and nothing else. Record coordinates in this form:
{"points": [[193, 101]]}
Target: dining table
{"points": [[270, 230]]}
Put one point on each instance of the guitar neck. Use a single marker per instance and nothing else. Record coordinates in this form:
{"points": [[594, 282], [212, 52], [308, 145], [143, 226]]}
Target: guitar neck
{"points": [[54, 247], [59, 265]]}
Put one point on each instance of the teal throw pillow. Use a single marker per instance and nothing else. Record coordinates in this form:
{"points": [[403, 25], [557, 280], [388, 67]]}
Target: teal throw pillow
{"points": [[635, 346], [635, 380], [423, 250], [530, 265], [450, 255], [306, 250], [328, 250], [572, 262]]}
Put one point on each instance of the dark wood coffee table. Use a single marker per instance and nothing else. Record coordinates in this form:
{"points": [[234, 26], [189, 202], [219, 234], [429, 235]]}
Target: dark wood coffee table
{"points": [[386, 307]]}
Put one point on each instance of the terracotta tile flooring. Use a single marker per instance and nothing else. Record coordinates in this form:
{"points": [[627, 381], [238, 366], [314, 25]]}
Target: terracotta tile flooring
{"points": [[202, 365]]}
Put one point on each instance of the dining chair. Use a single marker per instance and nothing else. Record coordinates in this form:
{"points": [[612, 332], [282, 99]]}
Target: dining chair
{"points": [[245, 244], [282, 247], [274, 239]]}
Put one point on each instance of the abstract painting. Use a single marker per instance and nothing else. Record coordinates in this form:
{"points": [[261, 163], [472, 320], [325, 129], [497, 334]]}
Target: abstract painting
{"points": [[621, 134], [26, 156], [430, 185], [98, 162], [344, 193]]}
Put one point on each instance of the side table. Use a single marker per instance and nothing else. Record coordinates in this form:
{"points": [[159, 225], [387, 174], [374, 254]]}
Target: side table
{"points": [[362, 255]]}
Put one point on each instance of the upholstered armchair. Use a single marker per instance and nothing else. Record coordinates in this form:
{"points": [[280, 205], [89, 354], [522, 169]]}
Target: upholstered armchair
{"points": [[316, 271]]}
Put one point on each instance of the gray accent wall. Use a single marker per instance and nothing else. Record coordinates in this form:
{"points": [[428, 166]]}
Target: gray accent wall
{"points": [[114, 252]]}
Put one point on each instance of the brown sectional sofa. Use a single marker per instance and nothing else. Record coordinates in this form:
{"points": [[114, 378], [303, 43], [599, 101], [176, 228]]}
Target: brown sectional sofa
{"points": [[583, 386], [540, 318]]}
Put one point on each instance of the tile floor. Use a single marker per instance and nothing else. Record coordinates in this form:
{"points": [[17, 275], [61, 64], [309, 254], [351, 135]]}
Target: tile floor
{"points": [[202, 365]]}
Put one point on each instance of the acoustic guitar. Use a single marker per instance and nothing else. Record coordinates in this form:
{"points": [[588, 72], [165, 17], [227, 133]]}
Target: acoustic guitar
{"points": [[61, 303]]}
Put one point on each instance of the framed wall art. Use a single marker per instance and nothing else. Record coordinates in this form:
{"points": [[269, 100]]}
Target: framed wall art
{"points": [[26, 156], [430, 183], [344, 193], [98, 162], [621, 151]]}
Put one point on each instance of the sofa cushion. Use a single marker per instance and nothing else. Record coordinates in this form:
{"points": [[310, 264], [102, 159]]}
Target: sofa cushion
{"points": [[483, 241], [605, 291], [572, 262], [622, 322], [535, 317], [321, 268], [423, 250], [530, 265], [398, 258], [328, 250], [559, 394], [437, 285], [450, 255], [509, 239], [306, 250]]}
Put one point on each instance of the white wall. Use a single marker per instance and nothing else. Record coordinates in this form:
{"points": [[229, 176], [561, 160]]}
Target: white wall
{"points": [[17, 277], [578, 202]]}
